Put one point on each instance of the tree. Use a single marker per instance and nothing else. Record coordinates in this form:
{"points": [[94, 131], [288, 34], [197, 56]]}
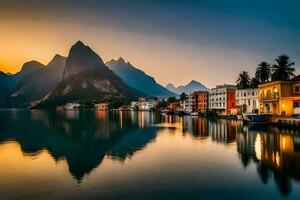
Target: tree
{"points": [[254, 83], [263, 72], [171, 99], [283, 69], [243, 80], [183, 96]]}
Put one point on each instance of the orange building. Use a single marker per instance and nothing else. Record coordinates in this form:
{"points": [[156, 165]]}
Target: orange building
{"points": [[174, 105], [201, 101]]}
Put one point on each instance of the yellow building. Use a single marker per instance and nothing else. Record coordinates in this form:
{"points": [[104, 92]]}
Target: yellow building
{"points": [[280, 97]]}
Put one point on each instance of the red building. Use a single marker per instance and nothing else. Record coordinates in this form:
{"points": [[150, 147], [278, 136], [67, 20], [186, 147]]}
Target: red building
{"points": [[231, 102]]}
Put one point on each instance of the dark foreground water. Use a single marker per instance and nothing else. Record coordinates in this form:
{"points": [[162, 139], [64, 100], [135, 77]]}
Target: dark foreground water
{"points": [[137, 155]]}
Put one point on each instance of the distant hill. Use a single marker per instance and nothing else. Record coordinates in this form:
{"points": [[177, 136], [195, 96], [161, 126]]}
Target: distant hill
{"points": [[37, 84], [138, 79], [189, 88], [87, 78], [8, 82]]}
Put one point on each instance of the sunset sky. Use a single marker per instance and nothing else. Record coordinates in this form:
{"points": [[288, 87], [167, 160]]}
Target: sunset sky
{"points": [[172, 40]]}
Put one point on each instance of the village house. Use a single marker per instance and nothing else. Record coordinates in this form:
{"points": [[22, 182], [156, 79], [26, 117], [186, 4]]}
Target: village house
{"points": [[101, 106], [201, 99], [247, 100], [189, 104], [222, 99], [280, 97], [146, 105]]}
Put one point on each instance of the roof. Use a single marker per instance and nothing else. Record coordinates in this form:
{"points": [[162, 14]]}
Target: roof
{"points": [[296, 78]]}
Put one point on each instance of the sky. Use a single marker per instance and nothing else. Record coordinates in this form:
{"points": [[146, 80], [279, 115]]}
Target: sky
{"points": [[175, 41]]}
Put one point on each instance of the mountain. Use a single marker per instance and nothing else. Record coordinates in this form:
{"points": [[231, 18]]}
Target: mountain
{"points": [[87, 78], [9, 81], [6, 85], [33, 83], [138, 79], [28, 68], [189, 88]]}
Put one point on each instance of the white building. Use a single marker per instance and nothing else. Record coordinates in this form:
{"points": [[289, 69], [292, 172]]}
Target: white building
{"points": [[221, 97], [146, 105], [71, 106], [247, 100], [189, 104]]}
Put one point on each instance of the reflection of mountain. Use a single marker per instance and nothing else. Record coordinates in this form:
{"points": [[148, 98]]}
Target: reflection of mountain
{"points": [[275, 152], [81, 138]]}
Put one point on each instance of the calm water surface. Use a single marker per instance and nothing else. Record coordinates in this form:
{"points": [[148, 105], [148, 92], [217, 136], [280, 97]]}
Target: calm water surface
{"points": [[137, 155]]}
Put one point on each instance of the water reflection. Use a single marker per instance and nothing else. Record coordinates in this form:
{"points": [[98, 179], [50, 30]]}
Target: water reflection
{"points": [[83, 139]]}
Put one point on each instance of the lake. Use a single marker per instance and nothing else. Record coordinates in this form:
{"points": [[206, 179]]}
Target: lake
{"points": [[143, 155]]}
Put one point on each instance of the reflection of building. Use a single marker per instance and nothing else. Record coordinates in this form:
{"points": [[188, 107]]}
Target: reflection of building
{"points": [[247, 100], [223, 131], [272, 151], [280, 97], [222, 99], [189, 104], [201, 101]]}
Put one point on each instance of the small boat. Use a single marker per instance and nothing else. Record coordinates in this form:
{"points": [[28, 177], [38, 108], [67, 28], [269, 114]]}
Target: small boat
{"points": [[253, 117], [194, 114]]}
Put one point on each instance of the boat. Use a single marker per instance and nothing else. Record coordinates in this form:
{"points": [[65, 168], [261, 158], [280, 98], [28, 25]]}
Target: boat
{"points": [[194, 114], [253, 117]]}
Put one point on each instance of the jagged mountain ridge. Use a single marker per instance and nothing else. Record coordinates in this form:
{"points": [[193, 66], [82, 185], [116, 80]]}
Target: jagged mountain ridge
{"points": [[138, 79], [189, 88]]}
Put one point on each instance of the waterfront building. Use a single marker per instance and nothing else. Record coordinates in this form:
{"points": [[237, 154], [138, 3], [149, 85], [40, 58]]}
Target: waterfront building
{"points": [[174, 105], [280, 97], [247, 100], [146, 105], [101, 106], [71, 106], [189, 104], [201, 98], [222, 99]]}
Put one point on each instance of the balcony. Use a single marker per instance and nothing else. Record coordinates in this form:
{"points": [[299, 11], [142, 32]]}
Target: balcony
{"points": [[274, 97]]}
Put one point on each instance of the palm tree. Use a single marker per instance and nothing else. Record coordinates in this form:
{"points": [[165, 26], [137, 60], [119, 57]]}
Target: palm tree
{"points": [[254, 83], [182, 96], [283, 69], [263, 72], [243, 80]]}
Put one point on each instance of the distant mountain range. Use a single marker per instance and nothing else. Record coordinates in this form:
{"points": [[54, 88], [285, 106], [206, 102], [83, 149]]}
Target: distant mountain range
{"points": [[87, 78], [138, 79], [81, 77], [189, 88]]}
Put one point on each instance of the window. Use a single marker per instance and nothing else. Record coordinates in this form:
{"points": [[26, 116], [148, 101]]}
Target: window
{"points": [[297, 89], [223, 105]]}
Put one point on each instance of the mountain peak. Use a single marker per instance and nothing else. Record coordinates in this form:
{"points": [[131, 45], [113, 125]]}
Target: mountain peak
{"points": [[31, 66], [189, 88], [121, 60], [82, 58], [79, 43]]}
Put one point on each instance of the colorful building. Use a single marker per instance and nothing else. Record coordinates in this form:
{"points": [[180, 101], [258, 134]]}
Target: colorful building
{"points": [[222, 99], [247, 100], [201, 100], [280, 97], [101, 106]]}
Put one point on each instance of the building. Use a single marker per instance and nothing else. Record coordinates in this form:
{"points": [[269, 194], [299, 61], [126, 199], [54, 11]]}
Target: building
{"points": [[71, 106], [174, 105], [146, 105], [189, 104], [101, 106], [222, 99], [247, 100], [201, 98], [280, 97]]}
